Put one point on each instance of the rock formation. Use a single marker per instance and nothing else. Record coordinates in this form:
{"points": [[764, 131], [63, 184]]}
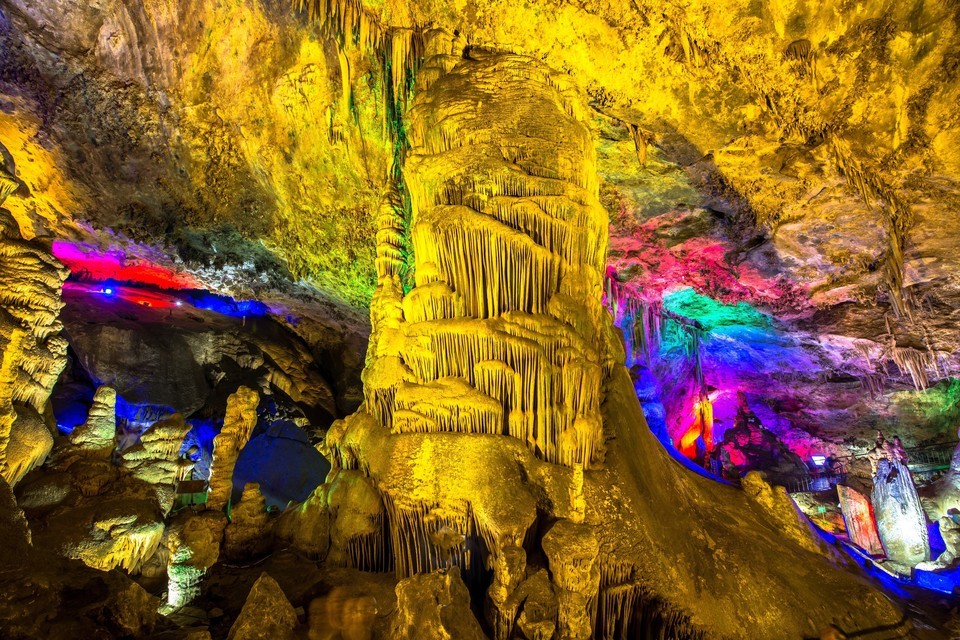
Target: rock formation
{"points": [[98, 434], [435, 605], [901, 522], [249, 530], [267, 614], [194, 547], [238, 426], [156, 460], [485, 384], [33, 352]]}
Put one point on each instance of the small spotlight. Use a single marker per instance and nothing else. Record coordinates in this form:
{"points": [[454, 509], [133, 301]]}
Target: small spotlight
{"points": [[179, 303], [108, 291], [819, 460]]}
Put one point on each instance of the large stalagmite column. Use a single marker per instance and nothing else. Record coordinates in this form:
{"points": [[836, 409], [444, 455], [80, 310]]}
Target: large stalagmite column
{"points": [[494, 379], [32, 351]]}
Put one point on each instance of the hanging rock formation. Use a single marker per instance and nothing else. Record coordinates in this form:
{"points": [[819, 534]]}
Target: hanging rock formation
{"points": [[238, 425], [492, 384]]}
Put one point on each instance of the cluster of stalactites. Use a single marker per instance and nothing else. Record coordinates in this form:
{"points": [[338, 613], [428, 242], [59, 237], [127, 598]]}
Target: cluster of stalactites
{"points": [[640, 320], [504, 332], [399, 48]]}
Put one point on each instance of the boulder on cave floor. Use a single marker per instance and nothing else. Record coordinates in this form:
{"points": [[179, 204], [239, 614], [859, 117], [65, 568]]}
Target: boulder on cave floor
{"points": [[434, 606], [267, 614]]}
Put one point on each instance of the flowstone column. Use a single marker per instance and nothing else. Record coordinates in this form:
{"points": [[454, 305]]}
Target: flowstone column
{"points": [[494, 377], [499, 341]]}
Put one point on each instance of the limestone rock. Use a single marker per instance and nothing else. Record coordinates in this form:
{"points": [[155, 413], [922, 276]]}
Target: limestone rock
{"points": [[434, 606], [194, 547], [572, 551], [99, 433], [42, 595], [538, 617], [248, 532], [784, 513], [266, 615], [901, 522], [238, 425], [32, 353], [30, 443], [950, 532], [14, 529], [156, 460], [306, 527], [357, 517]]}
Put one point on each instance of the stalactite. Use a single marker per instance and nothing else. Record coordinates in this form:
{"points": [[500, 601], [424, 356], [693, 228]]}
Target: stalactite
{"points": [[425, 538], [448, 404]]}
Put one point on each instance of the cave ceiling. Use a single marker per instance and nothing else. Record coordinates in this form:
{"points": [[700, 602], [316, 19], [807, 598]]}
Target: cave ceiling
{"points": [[801, 159]]}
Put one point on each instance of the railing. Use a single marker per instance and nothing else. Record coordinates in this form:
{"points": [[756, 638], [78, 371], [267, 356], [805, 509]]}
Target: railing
{"points": [[921, 460], [932, 458], [812, 482]]}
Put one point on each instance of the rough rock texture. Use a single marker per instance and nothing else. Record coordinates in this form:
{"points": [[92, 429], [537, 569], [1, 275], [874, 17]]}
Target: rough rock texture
{"points": [[156, 460], [901, 522], [32, 353], [434, 606], [30, 443], [238, 425], [464, 483], [194, 547], [98, 434], [248, 532], [176, 357], [42, 595], [306, 527], [267, 614], [572, 551]]}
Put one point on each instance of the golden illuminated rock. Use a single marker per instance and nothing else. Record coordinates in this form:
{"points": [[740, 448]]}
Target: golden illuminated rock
{"points": [[32, 353], [155, 459], [29, 444], [248, 533], [98, 434], [508, 241], [436, 605], [194, 546], [238, 425], [307, 527], [266, 615]]}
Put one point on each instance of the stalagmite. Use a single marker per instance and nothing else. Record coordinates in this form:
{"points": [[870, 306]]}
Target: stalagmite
{"points": [[238, 425], [98, 434], [494, 382], [156, 458], [266, 614], [194, 542], [901, 522], [436, 605], [32, 352], [247, 533], [572, 551]]}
